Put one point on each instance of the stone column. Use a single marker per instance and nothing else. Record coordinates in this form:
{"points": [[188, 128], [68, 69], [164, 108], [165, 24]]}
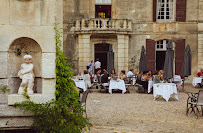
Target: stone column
{"points": [[84, 51], [126, 48], [122, 52]]}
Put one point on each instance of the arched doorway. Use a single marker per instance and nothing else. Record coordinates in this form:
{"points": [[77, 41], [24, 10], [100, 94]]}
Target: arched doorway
{"points": [[16, 52], [101, 51]]}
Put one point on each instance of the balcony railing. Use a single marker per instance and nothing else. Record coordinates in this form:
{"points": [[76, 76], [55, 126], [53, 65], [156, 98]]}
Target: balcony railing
{"points": [[103, 24]]}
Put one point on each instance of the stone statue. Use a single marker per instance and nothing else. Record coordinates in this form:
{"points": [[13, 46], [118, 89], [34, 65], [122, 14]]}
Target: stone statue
{"points": [[27, 75]]}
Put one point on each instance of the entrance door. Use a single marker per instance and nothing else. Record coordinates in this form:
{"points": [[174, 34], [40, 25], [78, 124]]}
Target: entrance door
{"points": [[160, 59], [101, 51], [160, 54]]}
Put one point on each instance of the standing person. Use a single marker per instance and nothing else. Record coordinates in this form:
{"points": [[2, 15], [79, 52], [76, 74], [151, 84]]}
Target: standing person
{"points": [[90, 66], [97, 65]]}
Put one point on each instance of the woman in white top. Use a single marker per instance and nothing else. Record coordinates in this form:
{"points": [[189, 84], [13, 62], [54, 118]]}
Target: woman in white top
{"points": [[87, 79]]}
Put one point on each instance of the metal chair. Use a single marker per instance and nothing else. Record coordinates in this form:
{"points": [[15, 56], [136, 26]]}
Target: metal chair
{"points": [[128, 83], [84, 99], [194, 100]]}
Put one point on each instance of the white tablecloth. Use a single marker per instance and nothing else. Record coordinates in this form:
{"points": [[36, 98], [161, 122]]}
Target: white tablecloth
{"points": [[80, 84], [150, 85], [117, 85], [165, 90], [177, 79], [196, 80]]}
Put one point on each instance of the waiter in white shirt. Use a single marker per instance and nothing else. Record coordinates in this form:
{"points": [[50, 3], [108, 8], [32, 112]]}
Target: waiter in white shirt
{"points": [[97, 65]]}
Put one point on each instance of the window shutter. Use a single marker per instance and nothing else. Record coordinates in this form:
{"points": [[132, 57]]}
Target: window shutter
{"points": [[154, 10], [150, 54], [181, 10], [179, 55]]}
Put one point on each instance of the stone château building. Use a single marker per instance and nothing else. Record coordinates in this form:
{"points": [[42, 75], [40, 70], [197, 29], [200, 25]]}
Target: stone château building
{"points": [[91, 25]]}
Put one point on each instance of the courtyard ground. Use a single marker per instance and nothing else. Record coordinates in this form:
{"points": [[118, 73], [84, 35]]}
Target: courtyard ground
{"points": [[140, 113]]}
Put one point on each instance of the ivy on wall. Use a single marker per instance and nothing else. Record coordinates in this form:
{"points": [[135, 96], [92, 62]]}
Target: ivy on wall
{"points": [[64, 114]]}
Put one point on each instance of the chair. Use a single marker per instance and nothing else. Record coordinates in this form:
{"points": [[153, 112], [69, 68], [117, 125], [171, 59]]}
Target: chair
{"points": [[128, 83], [84, 99], [194, 100]]}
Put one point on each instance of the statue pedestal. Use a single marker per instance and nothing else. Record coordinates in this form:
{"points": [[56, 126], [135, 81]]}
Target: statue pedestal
{"points": [[13, 98]]}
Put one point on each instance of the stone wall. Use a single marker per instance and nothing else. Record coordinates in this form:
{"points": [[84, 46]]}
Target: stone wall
{"points": [[141, 13], [29, 26]]}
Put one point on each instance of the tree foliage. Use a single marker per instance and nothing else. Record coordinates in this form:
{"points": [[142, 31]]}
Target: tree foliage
{"points": [[64, 114]]}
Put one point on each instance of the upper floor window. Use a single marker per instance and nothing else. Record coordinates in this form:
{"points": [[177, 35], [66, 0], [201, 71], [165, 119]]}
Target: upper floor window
{"points": [[102, 8], [165, 10]]}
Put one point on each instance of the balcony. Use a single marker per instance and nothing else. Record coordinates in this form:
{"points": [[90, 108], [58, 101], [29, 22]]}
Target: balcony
{"points": [[99, 25]]}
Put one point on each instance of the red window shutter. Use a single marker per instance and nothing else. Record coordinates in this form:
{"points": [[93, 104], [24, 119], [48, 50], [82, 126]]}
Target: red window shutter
{"points": [[154, 10], [181, 10], [179, 55], [150, 54]]}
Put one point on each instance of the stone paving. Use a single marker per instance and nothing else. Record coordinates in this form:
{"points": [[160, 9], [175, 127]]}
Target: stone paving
{"points": [[139, 113]]}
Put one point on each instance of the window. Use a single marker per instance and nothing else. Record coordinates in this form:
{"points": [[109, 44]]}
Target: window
{"points": [[102, 11], [161, 45], [165, 10], [102, 8]]}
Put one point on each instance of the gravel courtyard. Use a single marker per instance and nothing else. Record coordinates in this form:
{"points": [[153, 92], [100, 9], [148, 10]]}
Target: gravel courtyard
{"points": [[139, 113]]}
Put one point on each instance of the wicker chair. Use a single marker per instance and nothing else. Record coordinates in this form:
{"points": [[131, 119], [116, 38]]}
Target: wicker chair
{"points": [[194, 100], [84, 99]]}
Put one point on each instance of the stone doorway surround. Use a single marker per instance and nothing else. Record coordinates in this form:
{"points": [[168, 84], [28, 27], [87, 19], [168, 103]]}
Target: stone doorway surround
{"points": [[120, 45]]}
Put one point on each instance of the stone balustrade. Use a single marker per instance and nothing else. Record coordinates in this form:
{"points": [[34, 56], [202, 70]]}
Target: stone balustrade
{"points": [[100, 24]]}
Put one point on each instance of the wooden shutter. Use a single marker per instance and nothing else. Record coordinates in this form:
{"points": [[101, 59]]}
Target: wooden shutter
{"points": [[150, 54], [181, 10], [154, 10], [179, 55]]}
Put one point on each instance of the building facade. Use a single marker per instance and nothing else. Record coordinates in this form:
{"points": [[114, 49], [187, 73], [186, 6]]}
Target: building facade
{"points": [[27, 27], [91, 25]]}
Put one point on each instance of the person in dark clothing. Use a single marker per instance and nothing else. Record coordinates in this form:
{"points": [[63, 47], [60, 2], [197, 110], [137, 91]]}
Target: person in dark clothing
{"points": [[104, 78], [144, 80]]}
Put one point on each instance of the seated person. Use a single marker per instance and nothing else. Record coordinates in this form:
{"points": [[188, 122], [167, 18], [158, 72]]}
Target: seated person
{"points": [[156, 78], [138, 80], [150, 74], [130, 73], [161, 72], [87, 79], [113, 73], [104, 78], [144, 80], [199, 74], [145, 76], [122, 75]]}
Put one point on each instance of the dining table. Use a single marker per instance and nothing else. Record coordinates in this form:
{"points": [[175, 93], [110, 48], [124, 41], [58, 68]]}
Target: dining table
{"points": [[117, 84], [80, 84], [165, 90], [196, 80]]}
